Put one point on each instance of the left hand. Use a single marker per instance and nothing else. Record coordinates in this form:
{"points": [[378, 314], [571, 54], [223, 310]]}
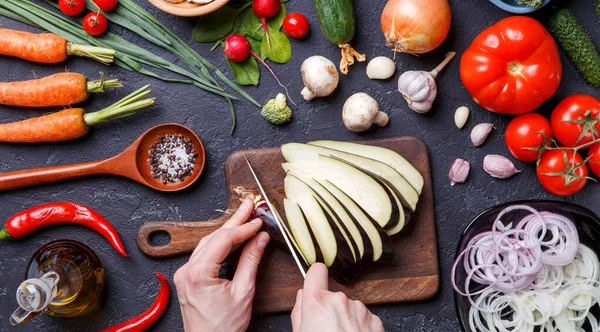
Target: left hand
{"points": [[209, 303]]}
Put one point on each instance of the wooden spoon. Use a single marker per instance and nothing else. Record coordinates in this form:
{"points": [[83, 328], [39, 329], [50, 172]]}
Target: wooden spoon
{"points": [[131, 163]]}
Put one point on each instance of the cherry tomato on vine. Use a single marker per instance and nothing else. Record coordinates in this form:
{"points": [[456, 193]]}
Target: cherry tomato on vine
{"points": [[295, 25], [95, 23], [527, 131], [575, 120], [106, 5], [562, 172], [594, 159], [71, 7]]}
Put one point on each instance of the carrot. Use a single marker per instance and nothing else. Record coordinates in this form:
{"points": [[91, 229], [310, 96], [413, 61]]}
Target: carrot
{"points": [[61, 89], [71, 123], [48, 47]]}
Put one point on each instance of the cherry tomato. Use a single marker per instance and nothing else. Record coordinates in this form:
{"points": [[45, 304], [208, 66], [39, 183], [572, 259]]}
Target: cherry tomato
{"points": [[71, 7], [594, 158], [95, 24], [295, 25], [559, 177], [527, 131], [575, 120], [512, 67], [106, 5]]}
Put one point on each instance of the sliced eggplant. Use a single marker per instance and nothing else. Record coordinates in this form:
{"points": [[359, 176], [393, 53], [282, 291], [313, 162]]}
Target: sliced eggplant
{"points": [[333, 243], [299, 231], [362, 188], [376, 242], [384, 155], [297, 153], [396, 229]]}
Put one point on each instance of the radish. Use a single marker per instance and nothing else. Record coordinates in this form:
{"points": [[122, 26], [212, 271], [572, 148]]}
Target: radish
{"points": [[237, 49], [265, 9]]}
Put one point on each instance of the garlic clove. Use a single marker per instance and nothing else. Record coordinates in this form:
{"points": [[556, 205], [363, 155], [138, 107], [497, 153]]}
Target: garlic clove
{"points": [[461, 116], [499, 167], [480, 133], [381, 68], [459, 171]]}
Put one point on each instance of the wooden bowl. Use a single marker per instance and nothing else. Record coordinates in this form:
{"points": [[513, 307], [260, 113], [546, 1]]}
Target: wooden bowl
{"points": [[188, 9]]}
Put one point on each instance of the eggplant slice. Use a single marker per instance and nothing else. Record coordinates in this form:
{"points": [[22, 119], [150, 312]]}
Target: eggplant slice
{"points": [[387, 156], [297, 152]]}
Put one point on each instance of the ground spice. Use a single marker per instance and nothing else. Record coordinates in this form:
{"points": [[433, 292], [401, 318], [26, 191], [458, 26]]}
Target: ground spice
{"points": [[172, 158]]}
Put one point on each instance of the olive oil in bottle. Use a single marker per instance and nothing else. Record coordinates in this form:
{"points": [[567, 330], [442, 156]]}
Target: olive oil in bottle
{"points": [[64, 279]]}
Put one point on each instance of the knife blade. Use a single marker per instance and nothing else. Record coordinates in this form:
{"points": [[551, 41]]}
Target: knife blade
{"points": [[279, 222]]}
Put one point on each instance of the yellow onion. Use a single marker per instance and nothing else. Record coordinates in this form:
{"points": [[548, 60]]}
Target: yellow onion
{"points": [[415, 26]]}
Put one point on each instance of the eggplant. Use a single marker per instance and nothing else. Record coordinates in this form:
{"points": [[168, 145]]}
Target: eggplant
{"points": [[387, 156], [300, 232], [363, 189], [297, 152], [331, 240], [381, 243]]}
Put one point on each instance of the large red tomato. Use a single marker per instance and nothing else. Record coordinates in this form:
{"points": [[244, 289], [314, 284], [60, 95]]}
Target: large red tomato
{"points": [[575, 120], [512, 67], [562, 172]]}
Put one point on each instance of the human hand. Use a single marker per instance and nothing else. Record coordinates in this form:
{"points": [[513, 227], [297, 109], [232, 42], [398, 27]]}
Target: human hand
{"points": [[318, 309], [209, 303]]}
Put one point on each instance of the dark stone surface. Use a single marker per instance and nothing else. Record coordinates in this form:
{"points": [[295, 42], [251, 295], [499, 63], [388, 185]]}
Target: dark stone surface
{"points": [[131, 285]]}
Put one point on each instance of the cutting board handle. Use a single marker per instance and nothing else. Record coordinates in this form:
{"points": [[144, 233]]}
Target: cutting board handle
{"points": [[184, 236]]}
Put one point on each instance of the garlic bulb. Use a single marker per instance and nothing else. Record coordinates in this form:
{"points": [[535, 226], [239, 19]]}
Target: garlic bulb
{"points": [[419, 88]]}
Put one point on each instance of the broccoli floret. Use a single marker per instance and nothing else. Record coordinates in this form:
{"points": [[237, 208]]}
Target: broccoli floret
{"points": [[277, 111], [531, 3]]}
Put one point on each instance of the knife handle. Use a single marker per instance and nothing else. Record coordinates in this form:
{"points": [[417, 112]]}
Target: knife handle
{"points": [[183, 236]]}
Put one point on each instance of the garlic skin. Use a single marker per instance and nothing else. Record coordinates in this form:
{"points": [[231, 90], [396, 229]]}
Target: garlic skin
{"points": [[461, 116], [480, 133], [418, 89], [381, 68], [459, 171], [499, 167]]}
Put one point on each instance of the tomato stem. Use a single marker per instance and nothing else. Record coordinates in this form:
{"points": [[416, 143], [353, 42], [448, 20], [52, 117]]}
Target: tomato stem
{"points": [[4, 234]]}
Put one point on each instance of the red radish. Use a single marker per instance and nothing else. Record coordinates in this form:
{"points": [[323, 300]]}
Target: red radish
{"points": [[95, 24], [265, 9], [236, 48], [295, 25]]}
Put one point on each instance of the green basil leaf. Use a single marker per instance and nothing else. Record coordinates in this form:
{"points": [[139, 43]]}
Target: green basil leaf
{"points": [[245, 72], [217, 25], [280, 50], [276, 21]]}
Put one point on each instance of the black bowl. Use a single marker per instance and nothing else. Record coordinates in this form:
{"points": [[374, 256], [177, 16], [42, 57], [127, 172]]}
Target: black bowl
{"points": [[588, 226]]}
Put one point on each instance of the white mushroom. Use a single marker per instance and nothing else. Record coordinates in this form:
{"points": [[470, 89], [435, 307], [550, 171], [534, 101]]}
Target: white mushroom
{"points": [[361, 111], [320, 77]]}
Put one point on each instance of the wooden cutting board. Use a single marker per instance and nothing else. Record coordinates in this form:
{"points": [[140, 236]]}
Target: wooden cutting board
{"points": [[412, 275]]}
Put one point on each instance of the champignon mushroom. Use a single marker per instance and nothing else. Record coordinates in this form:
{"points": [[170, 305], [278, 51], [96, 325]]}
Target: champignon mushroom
{"points": [[320, 77], [361, 111]]}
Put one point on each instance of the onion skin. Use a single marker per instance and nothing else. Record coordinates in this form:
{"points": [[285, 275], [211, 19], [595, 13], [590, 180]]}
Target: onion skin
{"points": [[415, 26]]}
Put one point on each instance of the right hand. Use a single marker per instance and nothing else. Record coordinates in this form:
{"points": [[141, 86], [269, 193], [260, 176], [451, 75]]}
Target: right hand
{"points": [[318, 309]]}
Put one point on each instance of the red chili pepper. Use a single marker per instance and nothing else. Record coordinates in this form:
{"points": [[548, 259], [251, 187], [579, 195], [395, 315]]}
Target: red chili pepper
{"points": [[29, 221], [147, 318]]}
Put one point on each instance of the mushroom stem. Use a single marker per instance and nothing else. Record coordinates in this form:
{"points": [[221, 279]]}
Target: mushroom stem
{"points": [[381, 119]]}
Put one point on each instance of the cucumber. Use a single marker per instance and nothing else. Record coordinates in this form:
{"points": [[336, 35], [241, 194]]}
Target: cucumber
{"points": [[336, 18], [576, 42], [598, 7]]}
